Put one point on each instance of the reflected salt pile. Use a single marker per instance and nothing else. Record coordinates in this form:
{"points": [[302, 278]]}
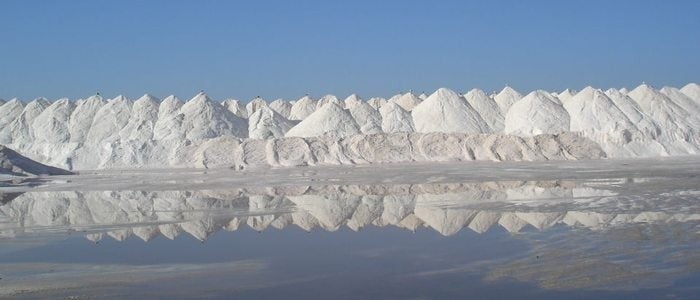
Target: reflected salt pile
{"points": [[446, 208]]}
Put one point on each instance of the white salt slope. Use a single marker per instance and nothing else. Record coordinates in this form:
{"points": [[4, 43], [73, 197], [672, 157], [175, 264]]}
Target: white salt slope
{"points": [[169, 122], [536, 113], [631, 109], [20, 129], [282, 107], [109, 120], [445, 111], [506, 97], [266, 123], [53, 124], [676, 123], [330, 120], [82, 117], [682, 100], [9, 112], [423, 96], [407, 101], [487, 108], [377, 102], [368, 118], [235, 107], [204, 118], [328, 99], [566, 95], [254, 105], [13, 163], [302, 108], [396, 119], [692, 90], [352, 100], [144, 115]]}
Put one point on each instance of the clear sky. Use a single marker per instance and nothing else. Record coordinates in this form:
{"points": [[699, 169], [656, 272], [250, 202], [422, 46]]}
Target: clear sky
{"points": [[287, 48]]}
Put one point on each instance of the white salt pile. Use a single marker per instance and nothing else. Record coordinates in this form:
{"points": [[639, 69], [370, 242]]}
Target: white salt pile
{"points": [[330, 120], [302, 108], [235, 107], [254, 105], [445, 111], [329, 99], [407, 101], [52, 125], [506, 97], [282, 107], [204, 118], [20, 129], [536, 113], [396, 119], [13, 163], [377, 102], [692, 90], [82, 117], [368, 118], [143, 118], [266, 123], [352, 100], [487, 108], [169, 123], [9, 112], [109, 120]]}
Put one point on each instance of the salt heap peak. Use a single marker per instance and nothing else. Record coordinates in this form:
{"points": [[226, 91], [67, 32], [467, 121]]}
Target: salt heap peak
{"points": [[82, 117], [536, 113], [254, 105], [377, 102], [692, 90], [235, 107], [368, 118], [329, 99], [407, 101], [506, 97], [20, 129], [592, 110], [204, 118], [423, 96], [302, 108], [266, 123], [352, 100], [445, 111], [282, 107], [330, 120], [53, 124], [566, 94], [9, 111], [676, 123], [396, 119], [144, 115], [169, 122], [682, 100], [624, 91], [634, 113], [109, 120], [13, 163], [487, 108]]}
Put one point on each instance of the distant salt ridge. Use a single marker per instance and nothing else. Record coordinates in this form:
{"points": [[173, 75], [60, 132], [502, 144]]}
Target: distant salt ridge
{"points": [[642, 122]]}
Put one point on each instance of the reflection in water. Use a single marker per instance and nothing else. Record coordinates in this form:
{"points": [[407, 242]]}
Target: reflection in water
{"points": [[615, 233]]}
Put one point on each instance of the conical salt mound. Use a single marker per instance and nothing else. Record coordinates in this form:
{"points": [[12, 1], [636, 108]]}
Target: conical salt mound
{"points": [[235, 107], [445, 111], [302, 108], [266, 123], [536, 113], [10, 111], [396, 119], [631, 109], [169, 123], [624, 91], [144, 115], [368, 118], [282, 107], [680, 98], [692, 90], [204, 118], [377, 102], [566, 95], [329, 99], [254, 105], [407, 101], [592, 110], [109, 120], [330, 120], [82, 117], [19, 131], [670, 117], [487, 108], [352, 100], [13, 163], [53, 124], [423, 96], [506, 97]]}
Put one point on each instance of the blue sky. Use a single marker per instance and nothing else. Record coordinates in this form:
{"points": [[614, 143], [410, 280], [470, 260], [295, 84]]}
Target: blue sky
{"points": [[375, 48]]}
